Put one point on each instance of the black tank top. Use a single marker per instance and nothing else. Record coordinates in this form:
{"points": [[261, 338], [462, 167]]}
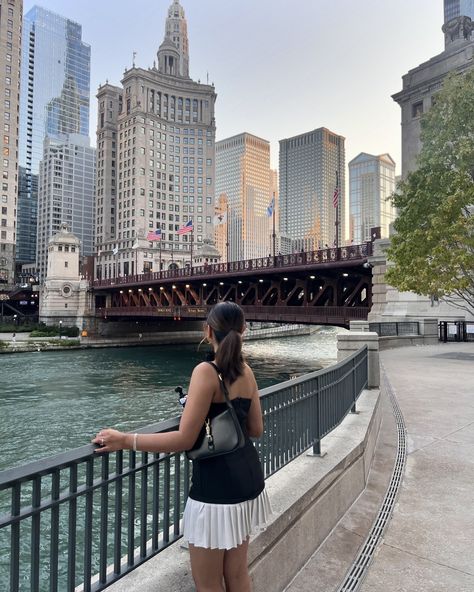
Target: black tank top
{"points": [[231, 478]]}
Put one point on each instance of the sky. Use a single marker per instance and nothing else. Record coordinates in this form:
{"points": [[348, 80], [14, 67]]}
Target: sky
{"points": [[280, 67]]}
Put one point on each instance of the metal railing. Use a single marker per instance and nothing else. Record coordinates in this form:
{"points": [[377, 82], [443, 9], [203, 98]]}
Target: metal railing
{"points": [[80, 521], [405, 328], [456, 331], [329, 255]]}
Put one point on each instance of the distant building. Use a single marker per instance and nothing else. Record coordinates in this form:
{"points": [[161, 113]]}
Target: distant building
{"points": [[55, 89], [155, 161], [455, 8], [311, 166], [371, 183], [421, 84], [10, 53], [243, 175], [66, 195]]}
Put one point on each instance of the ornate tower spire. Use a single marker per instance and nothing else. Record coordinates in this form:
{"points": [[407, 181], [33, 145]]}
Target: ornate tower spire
{"points": [[173, 54]]}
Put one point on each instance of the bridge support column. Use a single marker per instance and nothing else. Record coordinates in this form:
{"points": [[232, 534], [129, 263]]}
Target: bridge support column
{"points": [[348, 343]]}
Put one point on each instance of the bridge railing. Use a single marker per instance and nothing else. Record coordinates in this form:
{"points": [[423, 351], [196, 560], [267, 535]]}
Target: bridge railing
{"points": [[80, 521], [395, 329], [329, 255]]}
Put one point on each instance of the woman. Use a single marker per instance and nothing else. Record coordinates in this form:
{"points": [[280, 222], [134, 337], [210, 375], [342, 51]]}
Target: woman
{"points": [[227, 499]]}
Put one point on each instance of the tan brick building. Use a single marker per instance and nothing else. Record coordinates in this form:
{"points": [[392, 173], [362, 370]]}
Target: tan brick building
{"points": [[11, 13]]}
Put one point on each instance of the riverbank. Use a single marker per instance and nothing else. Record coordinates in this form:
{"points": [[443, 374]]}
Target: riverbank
{"points": [[24, 343]]}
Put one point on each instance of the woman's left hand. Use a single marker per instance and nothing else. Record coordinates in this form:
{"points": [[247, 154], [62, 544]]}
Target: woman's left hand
{"points": [[110, 440]]}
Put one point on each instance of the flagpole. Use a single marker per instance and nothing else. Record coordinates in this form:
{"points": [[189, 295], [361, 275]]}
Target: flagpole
{"points": [[337, 208], [192, 232], [227, 232], [273, 235], [160, 257]]}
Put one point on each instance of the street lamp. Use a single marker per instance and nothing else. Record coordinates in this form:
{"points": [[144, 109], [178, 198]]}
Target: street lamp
{"points": [[60, 327]]}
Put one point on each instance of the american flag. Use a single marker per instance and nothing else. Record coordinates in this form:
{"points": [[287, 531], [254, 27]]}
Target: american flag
{"points": [[335, 197], [154, 235], [188, 227]]}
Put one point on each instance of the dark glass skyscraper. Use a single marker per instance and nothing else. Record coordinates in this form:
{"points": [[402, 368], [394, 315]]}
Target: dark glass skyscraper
{"points": [[54, 102], [454, 8]]}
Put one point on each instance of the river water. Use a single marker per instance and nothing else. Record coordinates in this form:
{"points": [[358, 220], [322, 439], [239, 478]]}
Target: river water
{"points": [[54, 401]]}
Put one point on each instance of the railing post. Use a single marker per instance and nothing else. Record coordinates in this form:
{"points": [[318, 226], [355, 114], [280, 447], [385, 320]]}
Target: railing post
{"points": [[353, 386]]}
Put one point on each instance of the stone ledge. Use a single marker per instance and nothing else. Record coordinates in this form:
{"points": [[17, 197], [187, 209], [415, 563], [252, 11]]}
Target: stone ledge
{"points": [[309, 496]]}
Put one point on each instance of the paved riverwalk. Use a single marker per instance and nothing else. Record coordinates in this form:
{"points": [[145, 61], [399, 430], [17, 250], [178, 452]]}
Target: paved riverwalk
{"points": [[429, 543]]}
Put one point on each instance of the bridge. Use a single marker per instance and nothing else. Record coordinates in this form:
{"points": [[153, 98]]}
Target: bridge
{"points": [[325, 287]]}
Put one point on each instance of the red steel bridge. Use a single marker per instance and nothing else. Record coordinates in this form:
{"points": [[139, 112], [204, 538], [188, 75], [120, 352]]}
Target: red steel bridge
{"points": [[326, 287]]}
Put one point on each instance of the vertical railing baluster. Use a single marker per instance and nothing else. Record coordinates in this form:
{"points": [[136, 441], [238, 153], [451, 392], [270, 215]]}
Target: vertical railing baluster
{"points": [[131, 512], [155, 522], [72, 529], [177, 495], [35, 534], [15, 539], [54, 547], [317, 432], [166, 500], [118, 513], [104, 516], [89, 495], [144, 504], [186, 478]]}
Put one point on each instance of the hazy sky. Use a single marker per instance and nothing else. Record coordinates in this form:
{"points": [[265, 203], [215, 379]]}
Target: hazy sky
{"points": [[280, 67]]}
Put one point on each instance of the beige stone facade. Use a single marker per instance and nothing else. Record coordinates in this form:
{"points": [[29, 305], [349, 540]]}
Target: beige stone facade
{"points": [[65, 294], [155, 161], [11, 13], [421, 85]]}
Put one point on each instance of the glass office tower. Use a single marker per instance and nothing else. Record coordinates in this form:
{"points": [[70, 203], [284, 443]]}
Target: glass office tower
{"points": [[54, 102], [454, 8]]}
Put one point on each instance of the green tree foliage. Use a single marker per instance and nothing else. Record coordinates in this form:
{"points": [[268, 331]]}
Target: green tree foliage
{"points": [[433, 250]]}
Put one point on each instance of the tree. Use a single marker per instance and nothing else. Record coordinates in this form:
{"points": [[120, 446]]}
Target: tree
{"points": [[433, 248]]}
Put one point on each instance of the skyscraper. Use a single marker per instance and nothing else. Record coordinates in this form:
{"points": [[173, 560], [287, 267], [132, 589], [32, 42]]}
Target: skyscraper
{"points": [[11, 12], [243, 175], [66, 190], [371, 183], [312, 188], [55, 86], [454, 8], [155, 161]]}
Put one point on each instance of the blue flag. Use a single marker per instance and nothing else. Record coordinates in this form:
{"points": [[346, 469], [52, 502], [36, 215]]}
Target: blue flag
{"points": [[270, 208]]}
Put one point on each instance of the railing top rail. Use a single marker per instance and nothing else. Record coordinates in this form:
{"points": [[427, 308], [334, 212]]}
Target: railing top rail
{"points": [[325, 256], [77, 455]]}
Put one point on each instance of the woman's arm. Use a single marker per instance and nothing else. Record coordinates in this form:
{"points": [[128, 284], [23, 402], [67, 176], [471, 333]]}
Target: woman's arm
{"points": [[201, 391], [254, 418]]}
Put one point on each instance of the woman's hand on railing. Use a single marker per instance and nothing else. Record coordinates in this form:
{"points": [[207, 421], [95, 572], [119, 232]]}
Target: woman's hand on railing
{"points": [[111, 440]]}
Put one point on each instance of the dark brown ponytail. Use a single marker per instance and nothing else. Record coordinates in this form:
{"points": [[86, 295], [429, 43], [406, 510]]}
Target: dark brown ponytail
{"points": [[227, 321]]}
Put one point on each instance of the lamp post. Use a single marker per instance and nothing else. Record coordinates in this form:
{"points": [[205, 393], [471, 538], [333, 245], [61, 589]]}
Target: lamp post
{"points": [[60, 327]]}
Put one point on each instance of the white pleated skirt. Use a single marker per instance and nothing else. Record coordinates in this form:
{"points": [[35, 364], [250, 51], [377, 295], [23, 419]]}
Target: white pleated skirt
{"points": [[224, 526]]}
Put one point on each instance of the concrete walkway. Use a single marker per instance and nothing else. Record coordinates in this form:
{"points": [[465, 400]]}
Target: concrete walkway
{"points": [[429, 543]]}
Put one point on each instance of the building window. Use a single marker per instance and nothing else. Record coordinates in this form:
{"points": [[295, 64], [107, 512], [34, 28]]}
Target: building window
{"points": [[417, 109]]}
